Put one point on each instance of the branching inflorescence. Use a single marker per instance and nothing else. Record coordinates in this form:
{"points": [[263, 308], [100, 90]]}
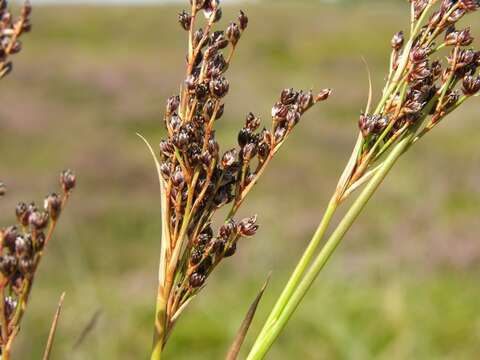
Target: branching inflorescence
{"points": [[21, 249], [196, 178], [22, 245], [10, 32], [421, 89]]}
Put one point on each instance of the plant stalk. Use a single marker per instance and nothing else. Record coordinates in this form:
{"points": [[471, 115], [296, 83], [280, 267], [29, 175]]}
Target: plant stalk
{"points": [[301, 267], [279, 321]]}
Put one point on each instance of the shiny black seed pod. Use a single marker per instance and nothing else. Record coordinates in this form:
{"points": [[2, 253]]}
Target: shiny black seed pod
{"points": [[196, 256], [230, 251], [243, 137], [196, 280]]}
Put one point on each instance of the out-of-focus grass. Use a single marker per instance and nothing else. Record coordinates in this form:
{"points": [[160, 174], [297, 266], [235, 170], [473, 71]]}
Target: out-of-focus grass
{"points": [[404, 284]]}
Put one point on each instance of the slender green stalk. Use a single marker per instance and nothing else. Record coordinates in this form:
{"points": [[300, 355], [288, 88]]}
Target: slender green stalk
{"points": [[307, 256], [264, 343], [301, 267]]}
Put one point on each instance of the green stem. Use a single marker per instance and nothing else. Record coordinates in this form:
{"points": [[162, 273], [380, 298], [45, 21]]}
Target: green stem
{"points": [[160, 325], [301, 267], [263, 344]]}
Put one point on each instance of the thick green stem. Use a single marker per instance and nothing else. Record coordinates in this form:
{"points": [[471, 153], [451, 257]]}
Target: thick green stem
{"points": [[264, 343]]}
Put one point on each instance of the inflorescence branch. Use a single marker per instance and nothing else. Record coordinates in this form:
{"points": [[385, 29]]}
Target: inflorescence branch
{"points": [[196, 178]]}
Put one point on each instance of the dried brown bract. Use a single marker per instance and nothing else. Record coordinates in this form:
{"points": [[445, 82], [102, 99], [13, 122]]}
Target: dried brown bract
{"points": [[197, 177]]}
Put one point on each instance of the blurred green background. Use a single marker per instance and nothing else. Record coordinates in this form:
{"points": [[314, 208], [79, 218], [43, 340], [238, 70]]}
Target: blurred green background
{"points": [[404, 284]]}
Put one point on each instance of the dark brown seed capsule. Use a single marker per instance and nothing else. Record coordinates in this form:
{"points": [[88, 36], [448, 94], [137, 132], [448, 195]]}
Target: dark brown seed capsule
{"points": [[397, 40], [9, 235], [201, 92], [248, 226], [196, 256], [218, 15], [38, 220], [26, 9], [53, 204], [230, 251], [249, 151], [229, 158], [219, 87], [305, 100], [185, 20], [244, 137], [233, 33], [178, 180], [218, 247], [68, 180], [471, 85], [181, 138], [461, 38], [203, 239], [242, 20], [213, 147], [323, 95], [196, 280], [10, 306], [22, 213], [25, 265], [252, 122], [172, 105], [263, 151], [227, 229], [8, 265], [23, 246], [39, 241], [167, 148], [288, 96], [293, 117], [279, 112], [165, 171]]}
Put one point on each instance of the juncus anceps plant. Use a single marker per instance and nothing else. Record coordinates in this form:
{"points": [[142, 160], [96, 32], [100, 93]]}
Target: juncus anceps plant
{"points": [[22, 245], [423, 87], [196, 177]]}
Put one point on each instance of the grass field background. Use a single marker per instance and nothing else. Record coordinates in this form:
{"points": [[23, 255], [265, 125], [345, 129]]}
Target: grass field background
{"points": [[405, 283]]}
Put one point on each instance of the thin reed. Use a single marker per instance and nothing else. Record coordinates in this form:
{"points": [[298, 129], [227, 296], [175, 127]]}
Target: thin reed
{"points": [[196, 179], [421, 90]]}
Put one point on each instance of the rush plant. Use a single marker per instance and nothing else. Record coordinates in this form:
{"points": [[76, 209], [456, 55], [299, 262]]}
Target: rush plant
{"points": [[196, 177], [433, 71], [22, 246]]}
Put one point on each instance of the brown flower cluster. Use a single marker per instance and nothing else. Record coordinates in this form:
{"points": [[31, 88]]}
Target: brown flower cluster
{"points": [[197, 177], [10, 32], [21, 249], [422, 88]]}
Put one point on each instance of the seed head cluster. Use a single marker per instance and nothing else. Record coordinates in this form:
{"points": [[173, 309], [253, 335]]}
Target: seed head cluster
{"points": [[198, 177], [10, 32], [430, 85], [21, 249], [431, 74]]}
